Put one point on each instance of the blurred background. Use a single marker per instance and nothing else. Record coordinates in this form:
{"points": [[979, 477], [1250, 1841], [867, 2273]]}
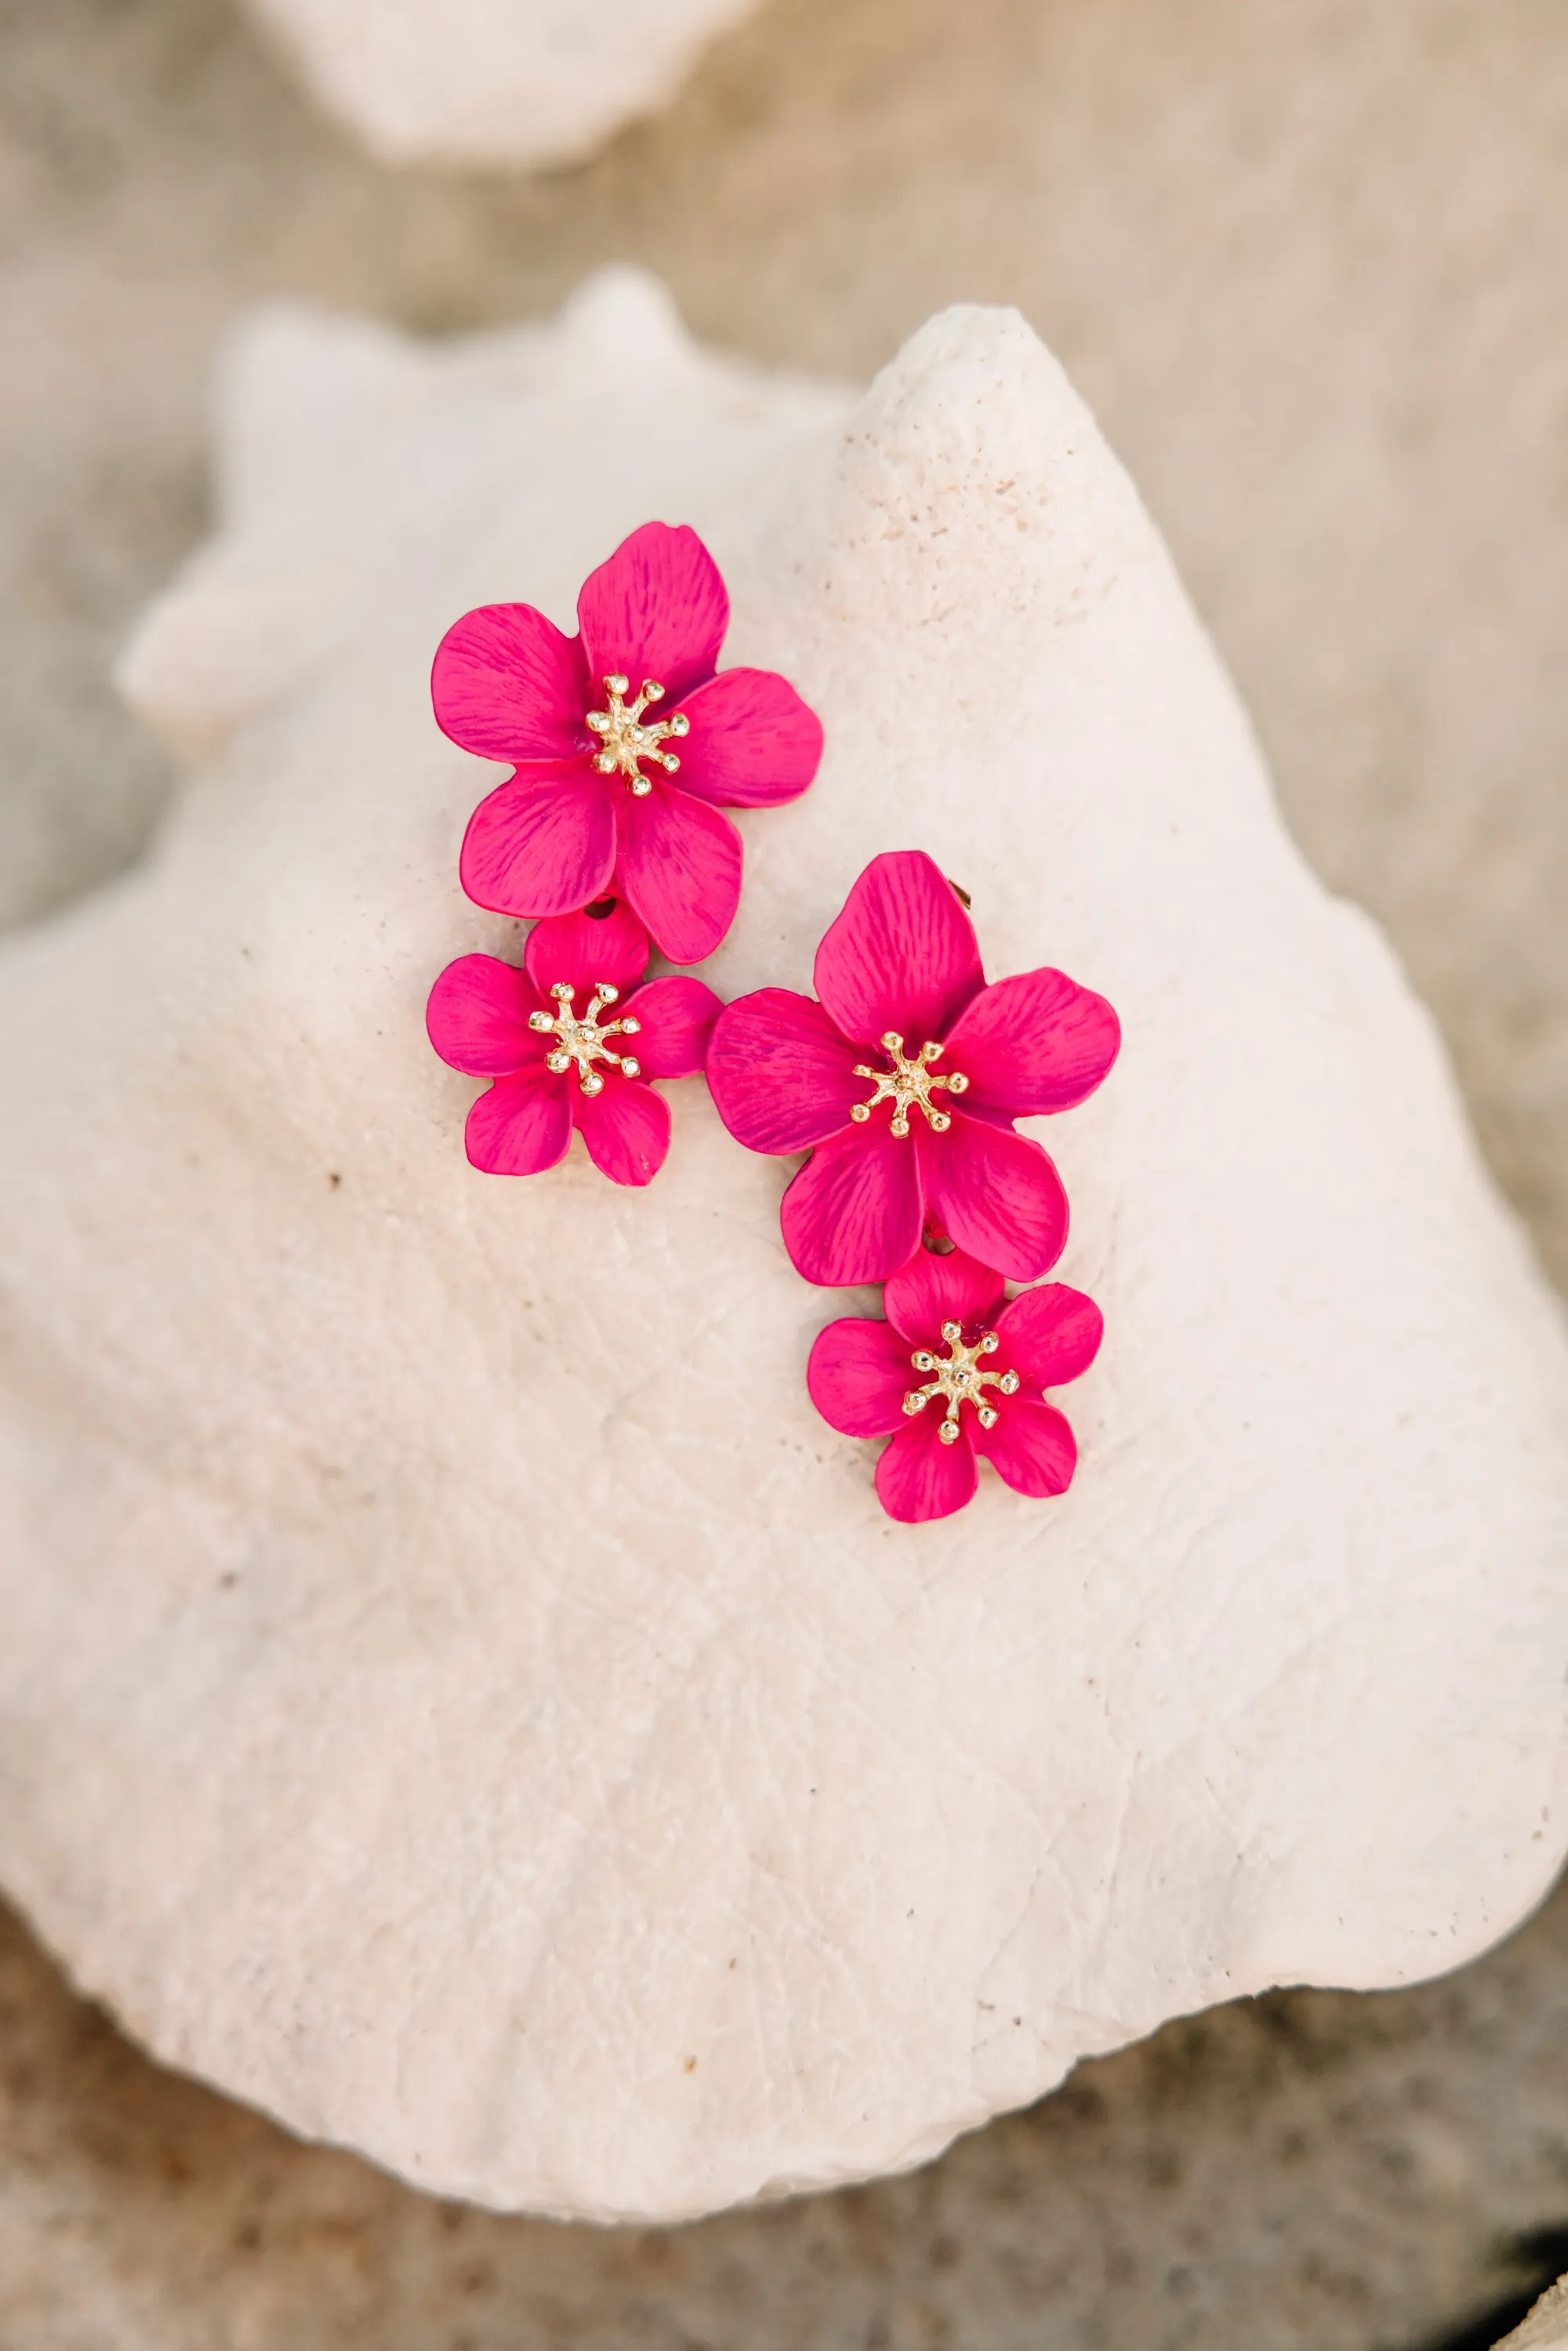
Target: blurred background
{"points": [[1309, 261]]}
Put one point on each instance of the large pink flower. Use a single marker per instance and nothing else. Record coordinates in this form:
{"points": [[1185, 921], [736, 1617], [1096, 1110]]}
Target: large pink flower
{"points": [[870, 1081], [570, 1039], [590, 724], [954, 1371]]}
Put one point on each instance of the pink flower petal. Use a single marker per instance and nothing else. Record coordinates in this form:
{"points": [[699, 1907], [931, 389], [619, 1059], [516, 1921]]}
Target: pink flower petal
{"points": [[477, 1016], [680, 866], [626, 1128], [677, 1017], [507, 685], [931, 1289], [585, 951], [781, 1075], [920, 1477], [522, 1125], [858, 1375], [656, 610], [541, 848], [1032, 1446], [995, 1193], [1050, 1335], [1036, 1043], [753, 742], [902, 955], [854, 1212]]}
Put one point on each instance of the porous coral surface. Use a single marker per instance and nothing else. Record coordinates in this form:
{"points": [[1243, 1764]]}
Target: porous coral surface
{"points": [[455, 1674]]}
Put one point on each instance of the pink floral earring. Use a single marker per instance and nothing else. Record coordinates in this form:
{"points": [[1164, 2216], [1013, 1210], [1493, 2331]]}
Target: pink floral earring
{"points": [[593, 836], [922, 1183]]}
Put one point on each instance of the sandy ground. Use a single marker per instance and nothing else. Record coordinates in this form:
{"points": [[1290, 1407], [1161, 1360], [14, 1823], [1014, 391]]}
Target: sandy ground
{"points": [[1308, 263]]}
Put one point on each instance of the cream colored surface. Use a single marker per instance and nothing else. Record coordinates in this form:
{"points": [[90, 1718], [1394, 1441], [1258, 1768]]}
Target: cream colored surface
{"points": [[462, 1700], [492, 82]]}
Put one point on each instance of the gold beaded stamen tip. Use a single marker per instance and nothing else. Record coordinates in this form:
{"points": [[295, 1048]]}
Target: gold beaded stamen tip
{"points": [[908, 1081], [960, 1380], [583, 1040], [627, 741]]}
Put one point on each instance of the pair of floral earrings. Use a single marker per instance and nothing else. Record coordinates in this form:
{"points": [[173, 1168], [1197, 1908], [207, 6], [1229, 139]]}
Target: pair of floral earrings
{"points": [[901, 1077]]}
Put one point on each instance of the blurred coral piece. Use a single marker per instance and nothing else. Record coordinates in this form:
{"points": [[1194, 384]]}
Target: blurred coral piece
{"points": [[493, 81]]}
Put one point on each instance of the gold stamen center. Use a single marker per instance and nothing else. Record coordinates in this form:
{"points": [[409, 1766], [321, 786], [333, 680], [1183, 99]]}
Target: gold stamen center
{"points": [[627, 741], [960, 1380], [908, 1081], [581, 1039]]}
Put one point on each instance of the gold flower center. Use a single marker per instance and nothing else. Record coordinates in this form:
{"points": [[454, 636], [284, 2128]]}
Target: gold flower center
{"points": [[960, 1379], [625, 738], [581, 1037], [908, 1081]]}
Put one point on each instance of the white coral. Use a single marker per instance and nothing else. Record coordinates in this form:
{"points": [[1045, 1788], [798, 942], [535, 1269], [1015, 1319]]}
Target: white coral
{"points": [[455, 1692]]}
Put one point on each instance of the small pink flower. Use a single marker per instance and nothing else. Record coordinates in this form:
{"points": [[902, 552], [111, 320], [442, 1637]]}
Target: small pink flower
{"points": [[599, 727], [571, 1039], [870, 1078], [954, 1371]]}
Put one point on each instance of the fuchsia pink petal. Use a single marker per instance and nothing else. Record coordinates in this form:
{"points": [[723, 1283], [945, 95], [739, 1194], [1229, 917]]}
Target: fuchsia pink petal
{"points": [[679, 863], [853, 1213], [753, 742], [522, 1125], [1050, 1335], [996, 1193], [781, 1075], [920, 1477], [678, 1018], [656, 610], [857, 1375], [1032, 1446], [933, 1288], [587, 951], [1033, 1043], [902, 955], [626, 1128], [545, 847], [477, 1016], [507, 685]]}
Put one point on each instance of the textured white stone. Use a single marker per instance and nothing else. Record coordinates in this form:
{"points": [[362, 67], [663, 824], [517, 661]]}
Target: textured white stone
{"points": [[455, 1691], [493, 81]]}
